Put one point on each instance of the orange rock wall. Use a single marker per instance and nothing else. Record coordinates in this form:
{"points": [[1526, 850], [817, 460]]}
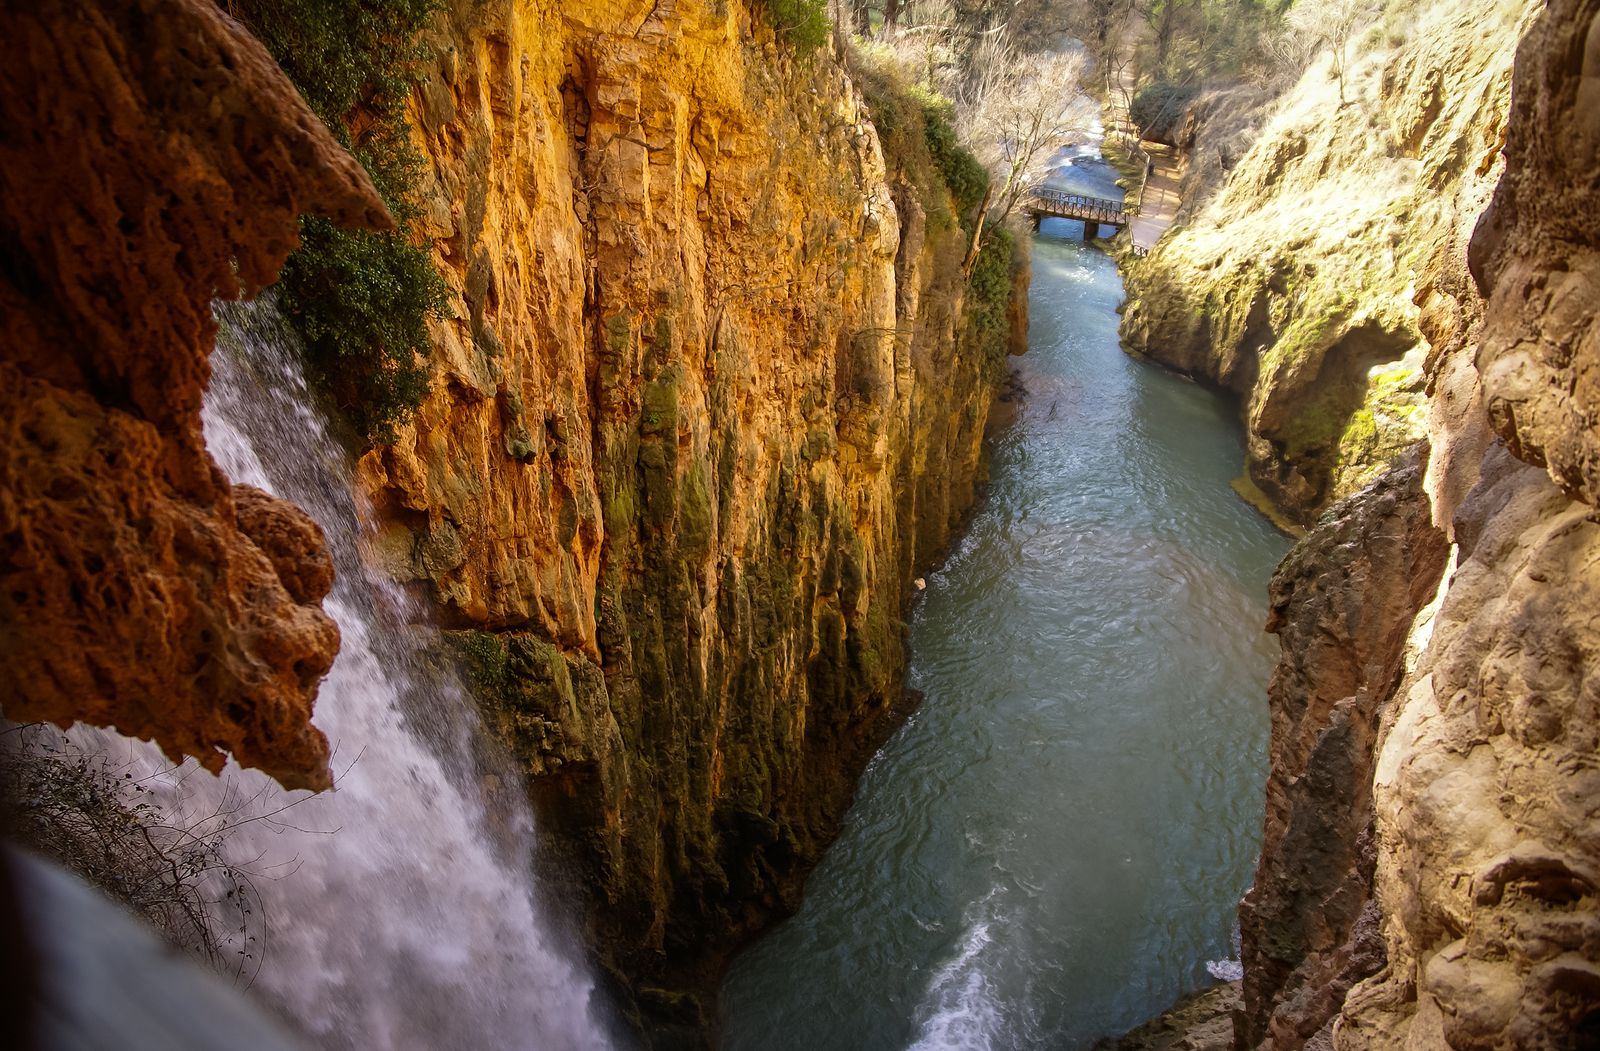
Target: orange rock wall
{"points": [[154, 157], [710, 395]]}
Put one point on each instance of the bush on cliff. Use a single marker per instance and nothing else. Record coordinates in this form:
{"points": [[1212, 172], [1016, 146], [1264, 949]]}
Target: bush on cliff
{"points": [[803, 23], [1158, 109], [963, 175], [361, 300], [990, 288]]}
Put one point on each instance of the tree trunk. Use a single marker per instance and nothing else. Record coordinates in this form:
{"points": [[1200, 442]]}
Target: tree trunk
{"points": [[977, 234]]}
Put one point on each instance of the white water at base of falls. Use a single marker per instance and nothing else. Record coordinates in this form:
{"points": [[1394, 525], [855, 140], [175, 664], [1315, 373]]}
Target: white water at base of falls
{"points": [[400, 910]]}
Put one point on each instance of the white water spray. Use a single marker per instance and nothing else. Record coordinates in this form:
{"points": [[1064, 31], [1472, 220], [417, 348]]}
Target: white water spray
{"points": [[400, 908]]}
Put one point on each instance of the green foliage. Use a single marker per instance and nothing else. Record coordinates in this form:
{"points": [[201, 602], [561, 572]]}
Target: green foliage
{"points": [[990, 290], [360, 299], [803, 23], [1157, 108], [484, 659], [963, 175]]}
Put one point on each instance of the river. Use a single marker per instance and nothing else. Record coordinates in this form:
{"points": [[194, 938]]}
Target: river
{"points": [[1053, 846]]}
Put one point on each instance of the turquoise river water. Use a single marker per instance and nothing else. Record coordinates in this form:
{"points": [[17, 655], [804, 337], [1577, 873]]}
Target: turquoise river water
{"points": [[1052, 848]]}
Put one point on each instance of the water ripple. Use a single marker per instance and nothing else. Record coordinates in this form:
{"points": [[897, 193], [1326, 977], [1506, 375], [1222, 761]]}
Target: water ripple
{"points": [[1053, 847]]}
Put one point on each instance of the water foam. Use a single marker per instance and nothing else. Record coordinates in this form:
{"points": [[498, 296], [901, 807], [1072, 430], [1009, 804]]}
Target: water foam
{"points": [[961, 1010], [400, 909]]}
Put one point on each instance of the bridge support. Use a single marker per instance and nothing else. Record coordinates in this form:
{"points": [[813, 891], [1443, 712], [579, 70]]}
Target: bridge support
{"points": [[1038, 217], [1091, 229]]}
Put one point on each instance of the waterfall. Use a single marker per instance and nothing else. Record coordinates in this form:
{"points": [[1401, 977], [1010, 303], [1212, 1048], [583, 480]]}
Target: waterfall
{"points": [[398, 910]]}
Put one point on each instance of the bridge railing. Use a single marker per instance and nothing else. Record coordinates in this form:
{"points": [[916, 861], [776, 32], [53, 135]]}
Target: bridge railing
{"points": [[1080, 205]]}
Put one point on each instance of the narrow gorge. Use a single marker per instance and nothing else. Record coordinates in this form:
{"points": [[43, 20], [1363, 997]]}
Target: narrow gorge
{"points": [[666, 557]]}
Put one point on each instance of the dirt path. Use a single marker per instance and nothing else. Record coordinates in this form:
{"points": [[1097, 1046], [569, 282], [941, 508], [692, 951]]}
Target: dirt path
{"points": [[1160, 201]]}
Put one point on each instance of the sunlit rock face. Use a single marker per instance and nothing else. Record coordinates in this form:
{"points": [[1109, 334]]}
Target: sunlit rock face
{"points": [[1429, 876], [708, 397], [1311, 280], [154, 158], [1489, 772]]}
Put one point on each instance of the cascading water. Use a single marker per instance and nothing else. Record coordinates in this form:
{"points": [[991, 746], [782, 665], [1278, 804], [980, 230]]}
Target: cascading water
{"points": [[400, 909]]}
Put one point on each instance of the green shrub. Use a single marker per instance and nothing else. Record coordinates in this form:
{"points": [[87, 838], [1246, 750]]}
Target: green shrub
{"points": [[484, 659], [962, 174], [990, 290], [803, 23], [360, 299], [1158, 108]]}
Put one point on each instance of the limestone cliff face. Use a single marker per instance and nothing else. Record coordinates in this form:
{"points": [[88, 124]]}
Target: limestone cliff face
{"points": [[1430, 876], [1343, 604], [154, 157], [712, 392], [1306, 282], [1488, 772]]}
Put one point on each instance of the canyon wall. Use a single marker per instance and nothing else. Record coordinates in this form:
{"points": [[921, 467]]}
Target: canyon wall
{"points": [[1488, 770], [155, 157], [1342, 606], [714, 388], [1304, 280], [1430, 875]]}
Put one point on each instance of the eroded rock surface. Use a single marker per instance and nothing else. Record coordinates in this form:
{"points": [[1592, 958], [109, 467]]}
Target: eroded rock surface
{"points": [[1304, 281], [1432, 830], [1343, 603], [711, 393], [1488, 777], [1485, 791], [153, 158]]}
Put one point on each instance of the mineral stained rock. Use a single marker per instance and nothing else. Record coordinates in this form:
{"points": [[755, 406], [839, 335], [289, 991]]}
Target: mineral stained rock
{"points": [[710, 395], [153, 157]]}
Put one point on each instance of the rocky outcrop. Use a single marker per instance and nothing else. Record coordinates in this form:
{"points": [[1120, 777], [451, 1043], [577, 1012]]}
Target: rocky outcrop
{"points": [[1202, 1021], [1430, 832], [1485, 790], [1429, 871], [713, 388], [1343, 603], [137, 588], [1304, 283]]}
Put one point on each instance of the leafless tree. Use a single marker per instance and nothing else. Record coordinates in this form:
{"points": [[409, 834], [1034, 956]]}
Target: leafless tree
{"points": [[1332, 24], [1021, 110]]}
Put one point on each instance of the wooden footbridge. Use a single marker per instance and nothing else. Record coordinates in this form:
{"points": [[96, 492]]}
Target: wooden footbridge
{"points": [[1094, 212]]}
